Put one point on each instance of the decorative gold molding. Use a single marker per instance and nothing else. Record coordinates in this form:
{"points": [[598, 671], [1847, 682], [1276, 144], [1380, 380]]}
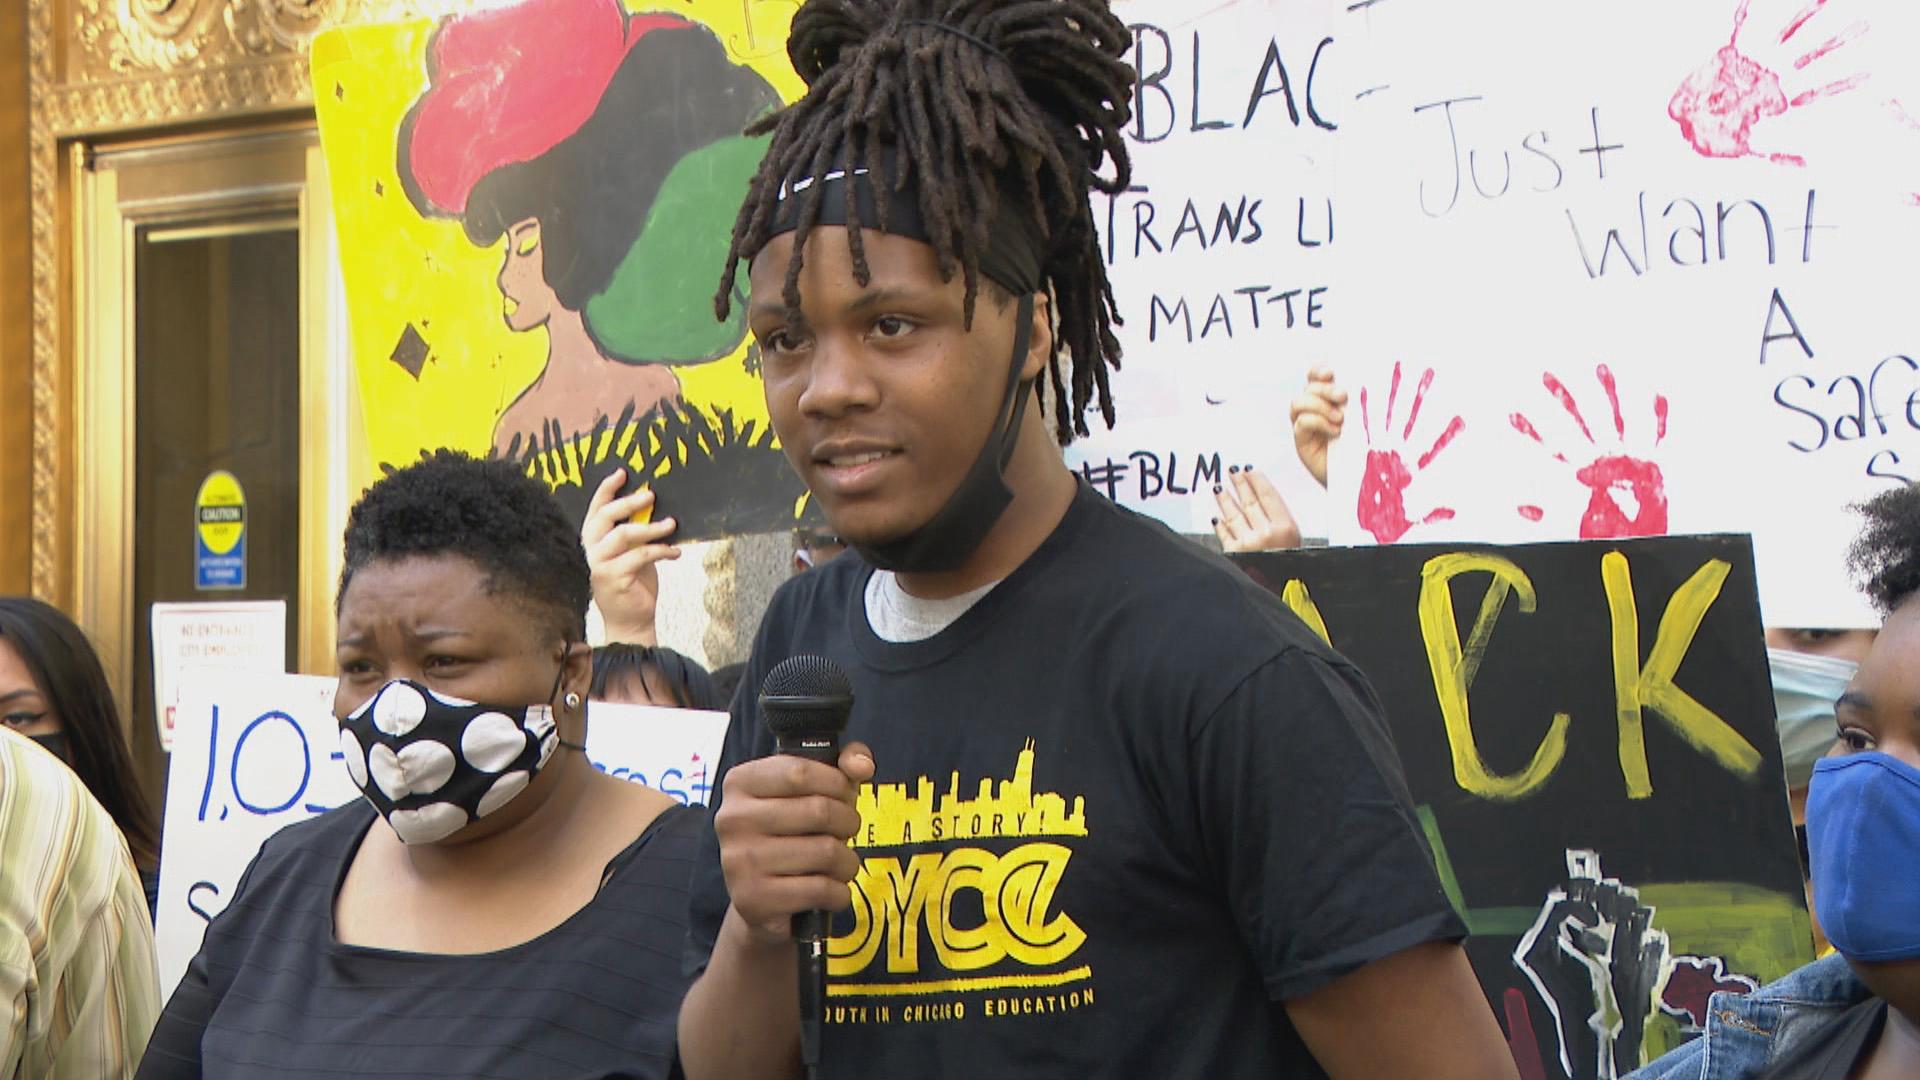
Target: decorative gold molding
{"points": [[109, 67], [119, 38], [275, 85], [48, 429]]}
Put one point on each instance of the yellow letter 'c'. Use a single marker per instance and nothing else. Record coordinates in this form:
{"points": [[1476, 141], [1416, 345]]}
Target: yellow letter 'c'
{"points": [[1454, 669]]}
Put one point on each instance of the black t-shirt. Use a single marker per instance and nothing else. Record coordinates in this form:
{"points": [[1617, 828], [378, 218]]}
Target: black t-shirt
{"points": [[1837, 1048], [1124, 804], [271, 992]]}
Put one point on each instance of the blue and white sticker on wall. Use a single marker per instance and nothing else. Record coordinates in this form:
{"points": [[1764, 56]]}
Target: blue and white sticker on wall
{"points": [[220, 533]]}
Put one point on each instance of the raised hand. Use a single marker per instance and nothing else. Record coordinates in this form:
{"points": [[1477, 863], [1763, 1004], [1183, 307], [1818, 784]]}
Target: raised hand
{"points": [[1318, 415], [1253, 516], [624, 556]]}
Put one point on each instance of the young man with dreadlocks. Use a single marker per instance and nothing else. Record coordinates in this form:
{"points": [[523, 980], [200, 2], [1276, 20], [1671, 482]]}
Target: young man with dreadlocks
{"points": [[1112, 810]]}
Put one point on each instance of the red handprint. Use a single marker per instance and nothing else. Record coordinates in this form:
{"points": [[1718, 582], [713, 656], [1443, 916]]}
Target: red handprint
{"points": [[1383, 488], [1718, 105], [1612, 478]]}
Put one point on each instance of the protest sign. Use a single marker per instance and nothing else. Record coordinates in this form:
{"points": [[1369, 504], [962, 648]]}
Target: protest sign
{"points": [[1615, 270], [1221, 251], [575, 335], [256, 753], [1631, 269], [1587, 733]]}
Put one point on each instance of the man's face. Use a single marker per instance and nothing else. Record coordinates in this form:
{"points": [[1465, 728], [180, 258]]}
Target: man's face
{"points": [[880, 396]]}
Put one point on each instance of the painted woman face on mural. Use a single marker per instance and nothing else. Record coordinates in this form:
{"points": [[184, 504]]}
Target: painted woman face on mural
{"points": [[567, 166], [527, 301], [603, 179]]}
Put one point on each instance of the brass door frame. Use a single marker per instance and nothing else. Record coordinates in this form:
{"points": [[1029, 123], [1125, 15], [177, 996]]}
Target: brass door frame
{"points": [[261, 178]]}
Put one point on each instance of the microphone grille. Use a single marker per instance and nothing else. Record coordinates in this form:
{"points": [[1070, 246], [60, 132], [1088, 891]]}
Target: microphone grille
{"points": [[806, 695], [806, 676]]}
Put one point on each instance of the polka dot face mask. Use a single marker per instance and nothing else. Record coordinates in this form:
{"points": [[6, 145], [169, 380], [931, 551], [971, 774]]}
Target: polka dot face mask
{"points": [[432, 764]]}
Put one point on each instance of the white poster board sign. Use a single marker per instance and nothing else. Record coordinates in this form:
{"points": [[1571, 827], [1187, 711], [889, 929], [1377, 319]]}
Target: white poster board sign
{"points": [[239, 635], [256, 753], [1221, 252], [1657, 258]]}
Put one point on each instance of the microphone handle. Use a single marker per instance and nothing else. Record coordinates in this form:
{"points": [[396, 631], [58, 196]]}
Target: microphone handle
{"points": [[811, 928], [813, 987]]}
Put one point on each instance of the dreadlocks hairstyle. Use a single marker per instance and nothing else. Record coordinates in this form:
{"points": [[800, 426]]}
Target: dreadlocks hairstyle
{"points": [[1886, 556], [969, 99]]}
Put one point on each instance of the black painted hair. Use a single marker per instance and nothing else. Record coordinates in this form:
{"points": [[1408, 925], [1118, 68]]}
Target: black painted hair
{"points": [[1886, 555], [656, 666], [979, 97], [485, 510], [68, 674], [593, 190]]}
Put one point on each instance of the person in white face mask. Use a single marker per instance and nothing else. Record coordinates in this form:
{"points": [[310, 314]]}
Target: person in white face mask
{"points": [[1810, 669], [1805, 688], [495, 906]]}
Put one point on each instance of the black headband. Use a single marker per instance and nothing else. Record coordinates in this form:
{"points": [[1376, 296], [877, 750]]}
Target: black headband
{"points": [[1015, 255]]}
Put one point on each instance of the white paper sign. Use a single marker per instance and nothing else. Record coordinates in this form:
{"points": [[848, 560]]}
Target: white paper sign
{"points": [[241, 635], [1633, 269], [1655, 256], [257, 753], [1221, 252]]}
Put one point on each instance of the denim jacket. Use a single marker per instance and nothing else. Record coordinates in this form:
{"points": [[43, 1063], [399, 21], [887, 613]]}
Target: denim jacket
{"points": [[1747, 1033]]}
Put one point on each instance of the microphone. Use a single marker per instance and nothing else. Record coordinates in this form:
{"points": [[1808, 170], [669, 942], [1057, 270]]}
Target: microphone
{"points": [[805, 702]]}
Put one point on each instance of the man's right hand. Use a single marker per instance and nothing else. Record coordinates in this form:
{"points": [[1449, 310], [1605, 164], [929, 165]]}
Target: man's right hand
{"points": [[783, 827]]}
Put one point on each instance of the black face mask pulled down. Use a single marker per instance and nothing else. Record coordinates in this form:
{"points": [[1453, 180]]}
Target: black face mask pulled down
{"points": [[956, 531], [1013, 258]]}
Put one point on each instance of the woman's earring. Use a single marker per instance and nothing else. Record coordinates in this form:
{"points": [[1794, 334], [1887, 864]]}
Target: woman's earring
{"points": [[572, 700]]}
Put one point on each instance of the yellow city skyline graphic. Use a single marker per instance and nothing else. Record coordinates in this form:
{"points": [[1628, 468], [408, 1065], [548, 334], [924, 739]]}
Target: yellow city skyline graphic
{"points": [[890, 817]]}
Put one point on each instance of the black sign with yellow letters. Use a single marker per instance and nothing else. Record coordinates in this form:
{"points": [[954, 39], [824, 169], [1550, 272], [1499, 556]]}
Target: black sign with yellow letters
{"points": [[1587, 731]]}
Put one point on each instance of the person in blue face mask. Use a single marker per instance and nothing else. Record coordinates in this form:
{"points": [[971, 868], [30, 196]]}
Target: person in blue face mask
{"points": [[1810, 669], [1854, 1015]]}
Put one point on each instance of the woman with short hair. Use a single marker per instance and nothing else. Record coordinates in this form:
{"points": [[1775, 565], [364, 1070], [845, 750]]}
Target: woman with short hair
{"points": [[495, 906]]}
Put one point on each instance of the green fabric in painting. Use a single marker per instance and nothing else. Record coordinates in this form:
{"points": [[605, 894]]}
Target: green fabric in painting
{"points": [[659, 306]]}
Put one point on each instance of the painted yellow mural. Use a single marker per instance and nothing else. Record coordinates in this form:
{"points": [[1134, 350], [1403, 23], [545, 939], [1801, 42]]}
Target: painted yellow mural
{"points": [[533, 205]]}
